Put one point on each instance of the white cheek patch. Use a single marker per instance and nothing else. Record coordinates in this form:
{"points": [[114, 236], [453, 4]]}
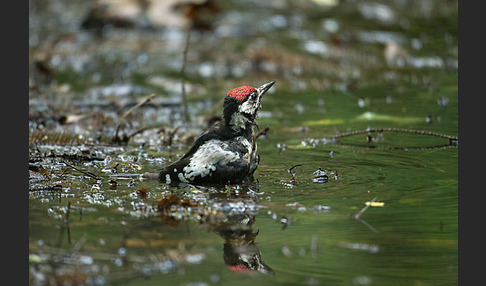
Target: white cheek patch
{"points": [[239, 120], [206, 158], [249, 107]]}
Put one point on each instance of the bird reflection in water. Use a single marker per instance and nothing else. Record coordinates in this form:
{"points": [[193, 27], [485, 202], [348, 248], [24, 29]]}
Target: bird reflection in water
{"points": [[231, 215]]}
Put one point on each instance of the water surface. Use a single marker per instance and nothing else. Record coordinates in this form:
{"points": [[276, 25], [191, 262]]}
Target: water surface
{"points": [[92, 220]]}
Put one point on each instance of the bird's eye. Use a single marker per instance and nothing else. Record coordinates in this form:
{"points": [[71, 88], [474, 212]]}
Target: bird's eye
{"points": [[253, 95]]}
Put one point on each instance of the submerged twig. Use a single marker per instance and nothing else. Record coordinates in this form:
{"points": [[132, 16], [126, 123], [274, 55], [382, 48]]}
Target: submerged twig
{"points": [[79, 244], [372, 228], [358, 215], [453, 141], [380, 130], [359, 218], [313, 246], [294, 174], [293, 167]]}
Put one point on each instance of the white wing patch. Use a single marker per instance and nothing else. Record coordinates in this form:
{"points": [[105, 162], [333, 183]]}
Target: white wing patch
{"points": [[206, 158]]}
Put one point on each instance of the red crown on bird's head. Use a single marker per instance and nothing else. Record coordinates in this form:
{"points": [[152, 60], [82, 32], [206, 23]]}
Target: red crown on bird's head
{"points": [[241, 93]]}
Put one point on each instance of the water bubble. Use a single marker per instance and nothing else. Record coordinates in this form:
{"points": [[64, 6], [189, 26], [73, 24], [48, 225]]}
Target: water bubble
{"points": [[442, 101], [331, 25], [379, 12], [362, 280], [302, 209], [118, 262], [302, 251], [122, 251], [361, 102], [195, 258], [215, 278], [316, 47], [279, 21], [299, 108], [86, 259], [286, 251], [416, 44], [321, 208]]}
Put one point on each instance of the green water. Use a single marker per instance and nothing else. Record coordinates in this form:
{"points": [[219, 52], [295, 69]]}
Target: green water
{"points": [[87, 231], [410, 240]]}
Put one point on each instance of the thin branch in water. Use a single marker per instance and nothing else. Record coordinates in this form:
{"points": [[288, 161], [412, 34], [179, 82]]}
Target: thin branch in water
{"points": [[68, 228], [136, 132], [262, 132], [361, 212], [294, 174], [183, 76], [381, 130], [372, 228], [79, 244], [293, 167], [169, 135], [358, 215], [143, 102], [89, 174], [313, 246], [116, 138]]}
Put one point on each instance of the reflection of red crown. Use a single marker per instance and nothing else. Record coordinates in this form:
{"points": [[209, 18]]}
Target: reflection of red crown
{"points": [[239, 268]]}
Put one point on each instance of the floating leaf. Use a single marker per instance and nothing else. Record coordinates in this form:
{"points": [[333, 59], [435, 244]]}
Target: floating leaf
{"points": [[375, 204], [142, 193]]}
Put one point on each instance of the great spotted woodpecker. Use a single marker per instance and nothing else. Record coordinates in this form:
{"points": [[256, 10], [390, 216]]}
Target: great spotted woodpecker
{"points": [[227, 151]]}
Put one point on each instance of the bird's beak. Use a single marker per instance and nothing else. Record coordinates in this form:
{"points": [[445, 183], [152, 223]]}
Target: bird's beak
{"points": [[265, 269], [265, 87]]}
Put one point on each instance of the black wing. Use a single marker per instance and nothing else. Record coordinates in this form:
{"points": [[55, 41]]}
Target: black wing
{"points": [[212, 133]]}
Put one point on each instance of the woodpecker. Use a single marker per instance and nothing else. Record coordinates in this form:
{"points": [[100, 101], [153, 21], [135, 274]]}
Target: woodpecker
{"points": [[226, 153]]}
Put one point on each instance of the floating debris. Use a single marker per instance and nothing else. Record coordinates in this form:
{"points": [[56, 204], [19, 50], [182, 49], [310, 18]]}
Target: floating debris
{"points": [[320, 176], [286, 221], [321, 208], [371, 248], [375, 204], [443, 101]]}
